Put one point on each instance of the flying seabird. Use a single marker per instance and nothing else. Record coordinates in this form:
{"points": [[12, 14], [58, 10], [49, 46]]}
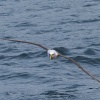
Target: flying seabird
{"points": [[54, 54]]}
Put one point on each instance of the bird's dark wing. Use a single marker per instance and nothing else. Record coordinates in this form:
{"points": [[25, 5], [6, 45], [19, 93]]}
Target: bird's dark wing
{"points": [[33, 43], [79, 66]]}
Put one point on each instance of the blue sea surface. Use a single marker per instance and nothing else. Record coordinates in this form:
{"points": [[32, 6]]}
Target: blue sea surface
{"points": [[71, 27]]}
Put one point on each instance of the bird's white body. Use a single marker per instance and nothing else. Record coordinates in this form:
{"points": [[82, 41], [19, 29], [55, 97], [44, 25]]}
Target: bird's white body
{"points": [[52, 53]]}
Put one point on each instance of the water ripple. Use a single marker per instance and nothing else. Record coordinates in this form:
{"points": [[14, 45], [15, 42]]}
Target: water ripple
{"points": [[86, 59], [23, 56], [26, 24], [89, 51], [85, 21], [55, 95], [71, 27], [23, 75], [62, 50]]}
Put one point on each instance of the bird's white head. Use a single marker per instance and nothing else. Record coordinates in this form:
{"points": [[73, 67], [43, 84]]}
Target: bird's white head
{"points": [[52, 54]]}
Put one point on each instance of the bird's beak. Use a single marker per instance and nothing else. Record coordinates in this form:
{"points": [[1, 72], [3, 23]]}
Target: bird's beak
{"points": [[51, 56]]}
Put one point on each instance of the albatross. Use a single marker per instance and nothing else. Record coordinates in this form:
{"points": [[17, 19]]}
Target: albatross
{"points": [[54, 54]]}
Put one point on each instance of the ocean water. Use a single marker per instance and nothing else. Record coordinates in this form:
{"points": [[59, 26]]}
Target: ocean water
{"points": [[71, 27]]}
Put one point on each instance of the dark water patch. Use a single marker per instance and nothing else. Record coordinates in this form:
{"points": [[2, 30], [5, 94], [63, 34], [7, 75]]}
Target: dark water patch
{"points": [[66, 31], [26, 24], [47, 7], [24, 55], [23, 75], [79, 47], [93, 44], [29, 55], [85, 21], [7, 37], [6, 57], [29, 9], [62, 22], [90, 5], [2, 57], [48, 30], [9, 64], [74, 15], [71, 90], [3, 0], [4, 14], [1, 5], [84, 59], [89, 51], [42, 54], [17, 0], [75, 86], [32, 15], [42, 66], [96, 0], [55, 95], [19, 95], [62, 50], [8, 49], [7, 13]]}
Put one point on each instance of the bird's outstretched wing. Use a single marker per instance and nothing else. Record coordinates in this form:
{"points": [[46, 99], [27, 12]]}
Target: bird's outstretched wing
{"points": [[79, 66], [33, 43]]}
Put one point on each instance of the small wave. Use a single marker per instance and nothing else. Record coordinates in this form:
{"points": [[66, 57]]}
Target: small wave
{"points": [[75, 86], [93, 44], [2, 57], [9, 49], [4, 14], [15, 75], [25, 55], [85, 21], [29, 55], [25, 24], [89, 51], [90, 5], [88, 60], [79, 47], [20, 56], [9, 63]]}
